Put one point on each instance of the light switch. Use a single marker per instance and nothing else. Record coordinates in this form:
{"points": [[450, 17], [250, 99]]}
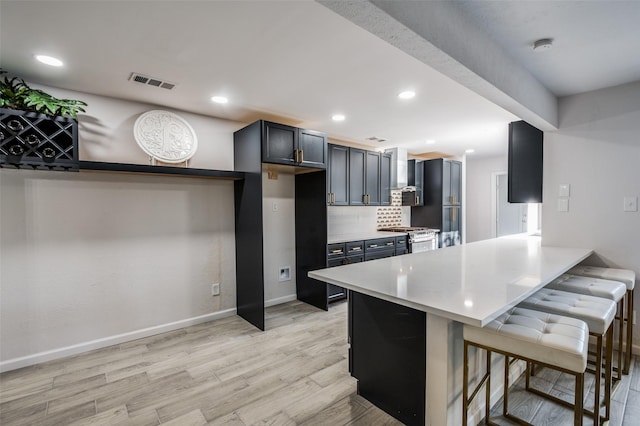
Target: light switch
{"points": [[564, 190], [630, 204], [563, 204]]}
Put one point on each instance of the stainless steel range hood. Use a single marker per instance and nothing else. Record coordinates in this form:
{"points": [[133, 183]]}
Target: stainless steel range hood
{"points": [[399, 169]]}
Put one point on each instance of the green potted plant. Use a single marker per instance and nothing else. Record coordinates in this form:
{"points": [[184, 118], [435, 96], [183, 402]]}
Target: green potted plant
{"points": [[37, 129]]}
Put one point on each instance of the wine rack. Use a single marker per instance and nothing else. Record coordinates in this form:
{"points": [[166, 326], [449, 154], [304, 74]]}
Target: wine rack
{"points": [[35, 141]]}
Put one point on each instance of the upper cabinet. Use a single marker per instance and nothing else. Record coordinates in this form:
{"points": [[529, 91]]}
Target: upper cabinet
{"points": [[338, 175], [525, 163], [357, 177], [451, 182], [287, 145], [442, 186]]}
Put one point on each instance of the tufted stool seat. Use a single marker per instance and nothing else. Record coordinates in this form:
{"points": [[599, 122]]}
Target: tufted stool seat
{"points": [[554, 341], [626, 277], [597, 287], [598, 313]]}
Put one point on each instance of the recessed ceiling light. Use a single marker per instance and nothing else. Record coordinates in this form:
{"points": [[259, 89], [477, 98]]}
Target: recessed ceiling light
{"points": [[470, 151], [338, 117], [429, 141], [219, 99], [49, 60], [542, 44], [407, 94]]}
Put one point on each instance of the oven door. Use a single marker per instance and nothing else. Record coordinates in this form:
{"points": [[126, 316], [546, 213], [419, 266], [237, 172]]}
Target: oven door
{"points": [[426, 245]]}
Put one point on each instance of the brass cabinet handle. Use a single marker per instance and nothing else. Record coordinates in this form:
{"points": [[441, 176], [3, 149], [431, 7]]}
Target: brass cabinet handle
{"points": [[417, 199], [373, 246], [328, 198], [336, 251], [333, 197], [301, 156], [390, 243], [453, 215], [356, 248]]}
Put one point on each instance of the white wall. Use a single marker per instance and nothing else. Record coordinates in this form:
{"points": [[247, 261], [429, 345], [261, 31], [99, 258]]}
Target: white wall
{"points": [[479, 187], [90, 259], [597, 151], [279, 237]]}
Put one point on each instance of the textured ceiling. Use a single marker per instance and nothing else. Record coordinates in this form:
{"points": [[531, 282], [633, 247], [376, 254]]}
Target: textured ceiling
{"points": [[297, 62]]}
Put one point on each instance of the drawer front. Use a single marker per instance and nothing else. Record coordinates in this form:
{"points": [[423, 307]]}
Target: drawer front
{"points": [[379, 254], [401, 245], [379, 244], [335, 250], [354, 259], [355, 248], [335, 262]]}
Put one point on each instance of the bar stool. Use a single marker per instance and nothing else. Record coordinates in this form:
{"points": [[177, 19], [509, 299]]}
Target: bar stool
{"points": [[625, 276], [598, 313], [551, 340], [597, 287]]}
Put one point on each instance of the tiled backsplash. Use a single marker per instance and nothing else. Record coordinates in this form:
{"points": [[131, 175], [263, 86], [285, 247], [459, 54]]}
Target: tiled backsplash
{"points": [[356, 219]]}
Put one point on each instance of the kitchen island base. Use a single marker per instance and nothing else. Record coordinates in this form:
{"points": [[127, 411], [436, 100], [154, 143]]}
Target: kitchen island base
{"points": [[386, 355]]}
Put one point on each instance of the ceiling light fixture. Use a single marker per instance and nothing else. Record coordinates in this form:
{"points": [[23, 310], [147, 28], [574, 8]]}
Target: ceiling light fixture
{"points": [[49, 60], [407, 94], [542, 44], [338, 117], [219, 99], [470, 151], [429, 141]]}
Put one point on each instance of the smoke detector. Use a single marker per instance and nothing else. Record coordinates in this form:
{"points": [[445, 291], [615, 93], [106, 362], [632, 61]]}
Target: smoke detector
{"points": [[151, 81], [542, 44]]}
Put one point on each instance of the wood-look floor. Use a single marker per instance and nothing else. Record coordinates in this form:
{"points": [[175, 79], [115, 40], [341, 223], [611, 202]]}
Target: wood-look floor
{"points": [[226, 372]]}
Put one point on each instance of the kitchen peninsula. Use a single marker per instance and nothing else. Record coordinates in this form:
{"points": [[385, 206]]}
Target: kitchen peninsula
{"points": [[406, 315]]}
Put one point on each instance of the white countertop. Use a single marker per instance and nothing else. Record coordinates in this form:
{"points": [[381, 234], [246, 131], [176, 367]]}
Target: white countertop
{"points": [[472, 283], [359, 236]]}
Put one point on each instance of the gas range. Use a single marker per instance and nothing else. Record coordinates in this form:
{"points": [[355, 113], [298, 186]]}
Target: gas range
{"points": [[420, 238]]}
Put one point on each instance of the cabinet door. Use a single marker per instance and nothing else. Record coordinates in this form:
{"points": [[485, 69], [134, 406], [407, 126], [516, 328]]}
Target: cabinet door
{"points": [[419, 182], [338, 175], [279, 143], [450, 218], [372, 178], [385, 179], [446, 182], [357, 158], [455, 182], [312, 147]]}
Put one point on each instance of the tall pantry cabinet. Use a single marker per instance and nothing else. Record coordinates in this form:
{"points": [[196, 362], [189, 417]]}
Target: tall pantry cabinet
{"points": [[289, 150], [442, 185]]}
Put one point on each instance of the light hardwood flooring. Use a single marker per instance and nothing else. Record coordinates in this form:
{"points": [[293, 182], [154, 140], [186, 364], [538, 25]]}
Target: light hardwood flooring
{"points": [[226, 372]]}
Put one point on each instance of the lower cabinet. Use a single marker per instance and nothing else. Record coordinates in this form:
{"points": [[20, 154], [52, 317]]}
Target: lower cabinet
{"points": [[339, 254]]}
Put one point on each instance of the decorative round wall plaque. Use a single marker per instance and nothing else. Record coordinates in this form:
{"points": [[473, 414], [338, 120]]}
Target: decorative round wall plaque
{"points": [[165, 136]]}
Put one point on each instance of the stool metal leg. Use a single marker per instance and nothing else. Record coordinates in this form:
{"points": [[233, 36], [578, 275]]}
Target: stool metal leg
{"points": [[487, 394], [608, 366], [598, 374], [579, 392], [629, 322], [465, 385]]}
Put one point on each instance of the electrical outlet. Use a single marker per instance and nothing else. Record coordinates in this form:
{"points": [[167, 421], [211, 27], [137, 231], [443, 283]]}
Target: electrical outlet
{"points": [[284, 274], [215, 289]]}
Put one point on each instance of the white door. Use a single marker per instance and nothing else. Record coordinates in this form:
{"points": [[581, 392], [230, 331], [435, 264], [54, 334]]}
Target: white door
{"points": [[510, 218]]}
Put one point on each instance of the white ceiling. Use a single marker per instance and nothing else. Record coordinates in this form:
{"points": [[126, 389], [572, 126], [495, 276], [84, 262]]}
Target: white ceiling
{"points": [[298, 62]]}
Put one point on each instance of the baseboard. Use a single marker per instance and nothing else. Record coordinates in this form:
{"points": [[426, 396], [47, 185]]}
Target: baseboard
{"points": [[280, 300], [25, 361]]}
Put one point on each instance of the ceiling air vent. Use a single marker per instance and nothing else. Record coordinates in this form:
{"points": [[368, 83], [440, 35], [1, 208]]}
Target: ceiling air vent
{"points": [[376, 139], [151, 81]]}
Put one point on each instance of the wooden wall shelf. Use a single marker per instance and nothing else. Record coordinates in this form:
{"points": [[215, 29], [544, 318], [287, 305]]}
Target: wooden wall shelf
{"points": [[160, 170]]}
